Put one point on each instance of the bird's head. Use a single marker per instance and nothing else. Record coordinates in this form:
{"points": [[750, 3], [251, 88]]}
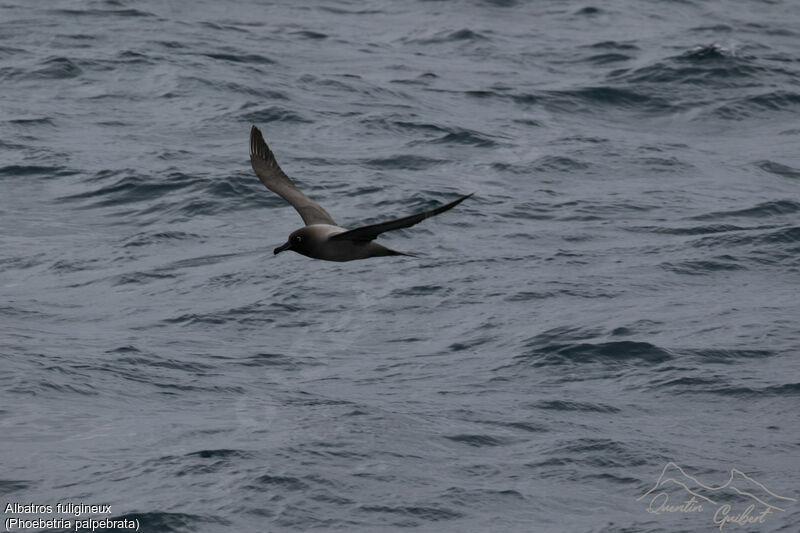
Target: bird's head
{"points": [[298, 242]]}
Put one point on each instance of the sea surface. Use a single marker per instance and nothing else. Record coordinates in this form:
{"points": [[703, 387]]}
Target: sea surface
{"points": [[619, 299]]}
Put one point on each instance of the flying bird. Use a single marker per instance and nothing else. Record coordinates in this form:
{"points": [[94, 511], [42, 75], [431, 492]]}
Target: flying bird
{"points": [[322, 238]]}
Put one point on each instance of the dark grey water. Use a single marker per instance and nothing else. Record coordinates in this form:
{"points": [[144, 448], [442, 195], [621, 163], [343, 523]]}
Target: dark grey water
{"points": [[621, 292]]}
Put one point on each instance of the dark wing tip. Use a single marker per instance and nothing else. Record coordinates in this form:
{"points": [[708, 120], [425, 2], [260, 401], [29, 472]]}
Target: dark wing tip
{"points": [[455, 203], [258, 147], [446, 207], [470, 195]]}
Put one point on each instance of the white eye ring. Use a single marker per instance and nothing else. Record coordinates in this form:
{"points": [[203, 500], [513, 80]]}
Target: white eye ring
{"points": [[299, 238]]}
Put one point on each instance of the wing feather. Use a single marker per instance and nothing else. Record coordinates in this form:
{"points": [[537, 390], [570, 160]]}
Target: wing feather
{"points": [[368, 233], [271, 175]]}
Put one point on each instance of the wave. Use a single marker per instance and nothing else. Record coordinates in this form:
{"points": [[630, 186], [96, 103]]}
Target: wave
{"points": [[566, 405], [131, 358], [703, 66], [589, 11], [471, 497], [422, 290], [466, 137], [36, 170], [614, 353], [65, 266], [343, 11], [781, 391], [39, 121], [461, 35], [10, 51], [254, 314], [702, 267], [607, 52], [261, 92], [626, 46], [101, 12], [132, 57], [55, 68], [61, 382], [160, 237], [477, 440], [772, 208], [167, 522], [139, 278], [772, 247], [282, 482], [220, 453], [591, 452], [546, 164], [501, 3], [778, 169], [755, 105], [274, 360], [703, 386], [689, 230], [445, 134], [605, 59], [308, 34], [591, 100], [274, 114], [238, 57], [423, 79], [225, 26], [175, 195], [9, 486], [403, 162], [133, 189], [730, 355], [420, 512], [553, 163]]}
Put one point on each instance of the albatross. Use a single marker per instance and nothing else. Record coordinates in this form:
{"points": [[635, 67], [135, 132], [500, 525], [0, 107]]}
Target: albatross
{"points": [[321, 237]]}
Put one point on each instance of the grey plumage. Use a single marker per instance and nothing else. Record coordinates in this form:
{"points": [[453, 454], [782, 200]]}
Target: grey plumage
{"points": [[271, 175], [322, 238]]}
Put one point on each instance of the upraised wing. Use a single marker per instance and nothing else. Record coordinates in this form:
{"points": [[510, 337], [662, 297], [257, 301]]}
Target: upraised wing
{"points": [[368, 233], [273, 177]]}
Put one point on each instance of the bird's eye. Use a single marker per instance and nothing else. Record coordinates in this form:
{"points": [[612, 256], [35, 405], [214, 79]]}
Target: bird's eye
{"points": [[298, 239]]}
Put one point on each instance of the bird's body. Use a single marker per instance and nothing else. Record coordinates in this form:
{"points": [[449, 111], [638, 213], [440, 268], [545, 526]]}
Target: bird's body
{"points": [[322, 238], [314, 241]]}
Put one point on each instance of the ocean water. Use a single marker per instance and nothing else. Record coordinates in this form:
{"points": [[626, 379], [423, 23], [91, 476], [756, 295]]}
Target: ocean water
{"points": [[618, 300]]}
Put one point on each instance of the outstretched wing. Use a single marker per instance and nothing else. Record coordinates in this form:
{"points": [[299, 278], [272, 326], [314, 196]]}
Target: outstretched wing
{"points": [[273, 177], [368, 233]]}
